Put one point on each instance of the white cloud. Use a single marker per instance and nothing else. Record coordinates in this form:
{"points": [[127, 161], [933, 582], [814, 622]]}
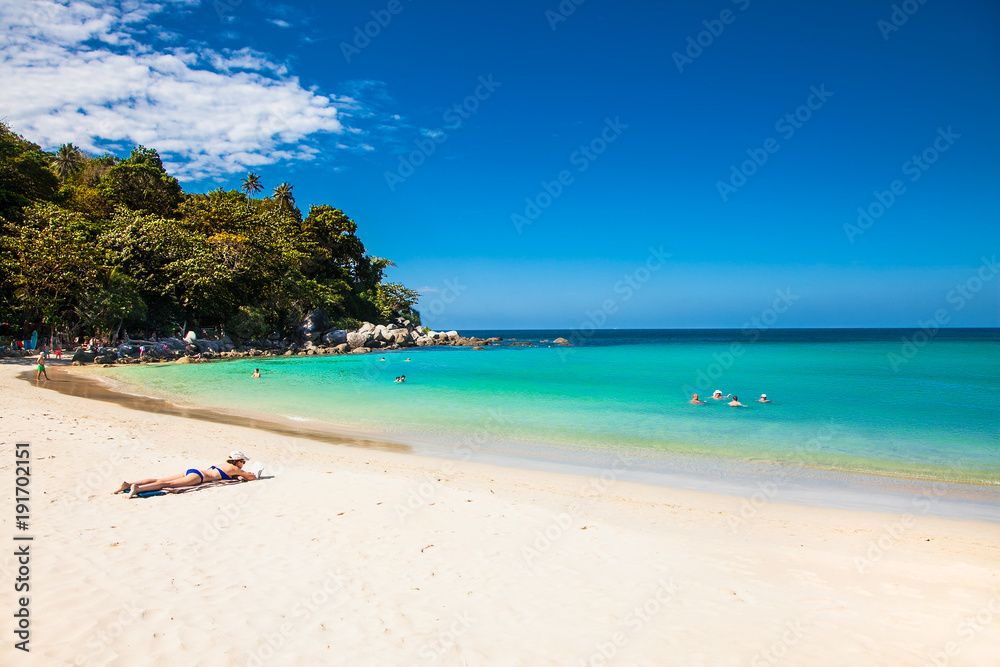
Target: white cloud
{"points": [[80, 71]]}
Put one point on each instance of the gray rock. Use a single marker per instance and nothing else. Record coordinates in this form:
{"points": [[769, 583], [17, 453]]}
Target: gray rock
{"points": [[361, 350], [342, 348], [356, 338], [425, 341], [83, 356], [335, 337], [561, 341], [366, 327], [313, 326], [452, 334]]}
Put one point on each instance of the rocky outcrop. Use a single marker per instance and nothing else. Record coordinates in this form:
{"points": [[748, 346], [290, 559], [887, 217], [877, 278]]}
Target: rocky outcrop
{"points": [[312, 326], [334, 337], [561, 341]]}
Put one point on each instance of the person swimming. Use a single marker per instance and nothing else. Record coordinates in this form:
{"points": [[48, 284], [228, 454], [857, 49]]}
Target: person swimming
{"points": [[736, 402], [256, 373], [695, 401], [231, 469], [717, 395], [763, 399]]}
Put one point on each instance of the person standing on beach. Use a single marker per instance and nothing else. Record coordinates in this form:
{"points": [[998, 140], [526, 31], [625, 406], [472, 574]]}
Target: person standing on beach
{"points": [[41, 368]]}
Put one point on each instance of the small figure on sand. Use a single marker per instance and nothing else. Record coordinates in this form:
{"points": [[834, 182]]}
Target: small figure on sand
{"points": [[232, 468], [736, 402], [717, 395], [41, 368], [256, 373], [696, 401], [763, 399]]}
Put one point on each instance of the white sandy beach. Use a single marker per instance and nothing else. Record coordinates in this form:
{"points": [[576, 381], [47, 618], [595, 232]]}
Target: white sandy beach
{"points": [[355, 556]]}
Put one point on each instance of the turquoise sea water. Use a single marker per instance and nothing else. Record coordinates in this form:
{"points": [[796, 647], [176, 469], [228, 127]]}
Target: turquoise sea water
{"points": [[851, 401]]}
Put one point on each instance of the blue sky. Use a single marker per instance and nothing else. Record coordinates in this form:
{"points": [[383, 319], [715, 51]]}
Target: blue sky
{"points": [[586, 146]]}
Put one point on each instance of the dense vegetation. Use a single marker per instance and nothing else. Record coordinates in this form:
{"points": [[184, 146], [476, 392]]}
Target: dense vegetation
{"points": [[92, 245]]}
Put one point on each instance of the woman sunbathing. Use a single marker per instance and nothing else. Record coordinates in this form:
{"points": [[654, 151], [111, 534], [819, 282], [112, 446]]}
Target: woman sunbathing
{"points": [[233, 467]]}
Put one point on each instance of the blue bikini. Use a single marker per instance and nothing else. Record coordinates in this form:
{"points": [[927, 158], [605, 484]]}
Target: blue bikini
{"points": [[224, 475], [201, 478]]}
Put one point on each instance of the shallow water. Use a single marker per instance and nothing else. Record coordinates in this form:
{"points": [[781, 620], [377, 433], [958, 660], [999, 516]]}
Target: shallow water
{"points": [[838, 401]]}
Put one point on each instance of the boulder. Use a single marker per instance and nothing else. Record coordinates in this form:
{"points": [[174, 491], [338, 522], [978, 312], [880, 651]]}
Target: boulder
{"points": [[360, 350], [174, 343], [478, 347], [452, 334], [342, 348], [561, 341], [313, 326], [184, 360], [425, 341], [83, 356], [366, 327], [494, 340], [357, 338], [334, 337]]}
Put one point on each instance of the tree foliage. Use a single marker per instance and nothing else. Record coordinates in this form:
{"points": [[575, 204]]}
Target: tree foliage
{"points": [[96, 243]]}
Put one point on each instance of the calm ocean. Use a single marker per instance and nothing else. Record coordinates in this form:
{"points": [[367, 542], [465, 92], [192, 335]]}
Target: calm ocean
{"points": [[895, 403]]}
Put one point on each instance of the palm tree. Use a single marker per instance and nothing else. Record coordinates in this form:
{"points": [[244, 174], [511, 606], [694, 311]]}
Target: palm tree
{"points": [[282, 196], [251, 184], [68, 159]]}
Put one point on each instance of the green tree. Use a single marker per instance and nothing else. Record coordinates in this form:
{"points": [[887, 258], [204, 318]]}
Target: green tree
{"points": [[282, 197], [142, 184], [25, 176], [67, 161], [51, 262], [251, 184]]}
